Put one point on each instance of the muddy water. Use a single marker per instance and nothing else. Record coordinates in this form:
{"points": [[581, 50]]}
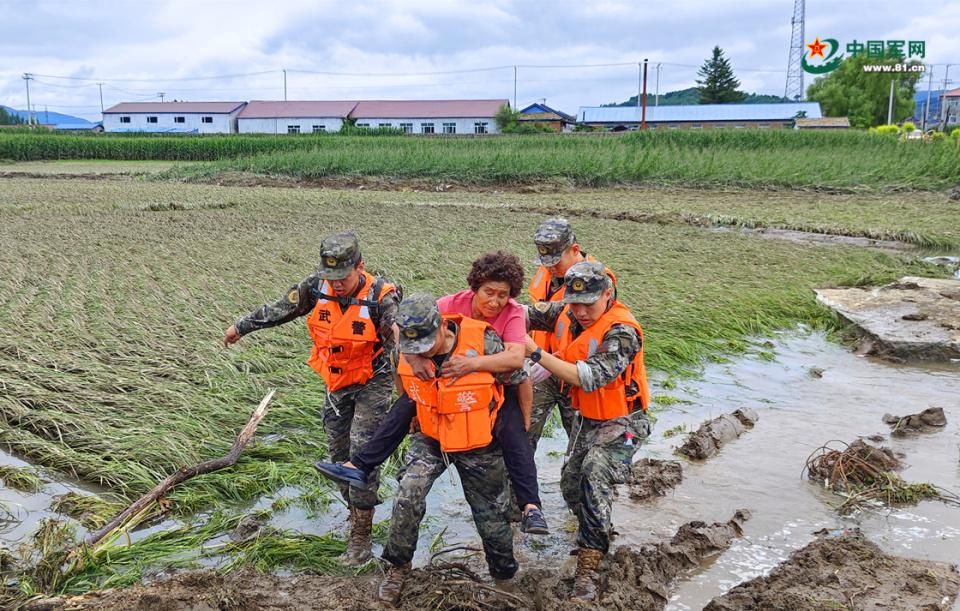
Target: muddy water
{"points": [[24, 510], [762, 470]]}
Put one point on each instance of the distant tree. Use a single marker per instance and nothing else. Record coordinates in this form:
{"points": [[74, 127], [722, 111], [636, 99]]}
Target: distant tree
{"points": [[862, 96], [718, 84], [7, 118], [506, 118], [685, 97]]}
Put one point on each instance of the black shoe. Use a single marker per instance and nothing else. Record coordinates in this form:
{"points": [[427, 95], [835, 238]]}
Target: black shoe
{"points": [[347, 475], [534, 523]]}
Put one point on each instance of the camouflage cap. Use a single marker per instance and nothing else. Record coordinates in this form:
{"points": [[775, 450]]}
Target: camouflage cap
{"points": [[584, 282], [419, 320], [552, 237], [339, 254]]}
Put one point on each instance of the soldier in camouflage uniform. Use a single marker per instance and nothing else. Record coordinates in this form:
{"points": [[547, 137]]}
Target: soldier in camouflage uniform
{"points": [[611, 380], [553, 238], [342, 292], [482, 473]]}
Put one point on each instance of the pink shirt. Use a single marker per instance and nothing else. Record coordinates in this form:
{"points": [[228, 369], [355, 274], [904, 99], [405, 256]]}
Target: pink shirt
{"points": [[510, 324]]}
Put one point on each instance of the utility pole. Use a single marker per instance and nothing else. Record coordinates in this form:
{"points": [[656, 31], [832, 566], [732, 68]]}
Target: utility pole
{"points": [[27, 77], [943, 99], [514, 88], [284, 84], [643, 113], [160, 95], [890, 104], [657, 97], [100, 87], [926, 105]]}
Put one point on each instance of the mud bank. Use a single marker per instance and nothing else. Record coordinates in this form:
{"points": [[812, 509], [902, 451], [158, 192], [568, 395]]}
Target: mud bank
{"points": [[714, 434], [650, 478], [930, 420], [846, 572], [914, 318], [631, 579]]}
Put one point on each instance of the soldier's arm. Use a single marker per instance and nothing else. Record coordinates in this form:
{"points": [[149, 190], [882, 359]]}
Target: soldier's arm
{"points": [[387, 331], [492, 344], [620, 344], [542, 316], [298, 301]]}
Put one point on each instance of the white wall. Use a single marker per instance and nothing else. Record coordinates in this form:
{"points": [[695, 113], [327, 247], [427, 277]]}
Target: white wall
{"points": [[222, 123], [463, 126], [279, 126]]}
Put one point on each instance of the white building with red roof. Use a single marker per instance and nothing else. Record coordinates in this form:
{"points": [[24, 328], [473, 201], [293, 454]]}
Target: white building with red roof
{"points": [[429, 116], [173, 117], [293, 117]]}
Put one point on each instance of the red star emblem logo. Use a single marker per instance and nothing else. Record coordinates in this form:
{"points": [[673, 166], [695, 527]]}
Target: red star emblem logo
{"points": [[817, 48]]}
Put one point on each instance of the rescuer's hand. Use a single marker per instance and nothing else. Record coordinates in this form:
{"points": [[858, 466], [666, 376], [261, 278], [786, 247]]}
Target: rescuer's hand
{"points": [[232, 336]]}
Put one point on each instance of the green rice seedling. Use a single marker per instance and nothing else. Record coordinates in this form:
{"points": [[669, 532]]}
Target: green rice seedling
{"points": [[20, 478], [91, 511]]}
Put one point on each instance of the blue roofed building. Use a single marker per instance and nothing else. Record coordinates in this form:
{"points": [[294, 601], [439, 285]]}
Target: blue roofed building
{"points": [[700, 116], [542, 114]]}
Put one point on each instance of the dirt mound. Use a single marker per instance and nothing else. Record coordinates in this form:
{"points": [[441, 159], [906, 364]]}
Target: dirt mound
{"points": [[929, 420], [846, 572], [857, 464], [714, 434], [863, 475], [245, 590], [914, 318], [650, 478], [632, 579]]}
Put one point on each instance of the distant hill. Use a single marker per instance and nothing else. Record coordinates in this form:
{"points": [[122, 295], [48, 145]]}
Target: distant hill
{"points": [[47, 117], [688, 97]]}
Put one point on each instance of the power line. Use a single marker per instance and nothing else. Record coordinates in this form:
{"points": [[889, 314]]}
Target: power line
{"points": [[153, 80]]}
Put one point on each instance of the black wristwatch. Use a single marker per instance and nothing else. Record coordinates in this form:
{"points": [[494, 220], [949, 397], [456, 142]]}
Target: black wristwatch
{"points": [[536, 355]]}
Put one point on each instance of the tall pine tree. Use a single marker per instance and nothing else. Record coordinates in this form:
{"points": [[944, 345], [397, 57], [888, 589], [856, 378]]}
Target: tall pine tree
{"points": [[9, 118], [718, 86]]}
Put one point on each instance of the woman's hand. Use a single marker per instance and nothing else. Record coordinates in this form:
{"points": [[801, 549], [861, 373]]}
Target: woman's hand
{"points": [[422, 367], [458, 365]]}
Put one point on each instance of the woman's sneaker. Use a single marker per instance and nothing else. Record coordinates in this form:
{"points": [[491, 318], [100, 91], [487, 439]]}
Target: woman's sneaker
{"points": [[534, 523]]}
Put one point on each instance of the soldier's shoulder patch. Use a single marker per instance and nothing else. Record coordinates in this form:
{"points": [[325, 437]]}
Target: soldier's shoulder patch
{"points": [[293, 296], [541, 306]]}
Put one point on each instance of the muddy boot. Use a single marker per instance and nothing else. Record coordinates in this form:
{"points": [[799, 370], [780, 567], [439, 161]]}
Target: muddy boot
{"points": [[392, 584], [358, 547], [586, 578]]}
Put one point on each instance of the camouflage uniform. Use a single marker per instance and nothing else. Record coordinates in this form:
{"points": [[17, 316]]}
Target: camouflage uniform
{"points": [[482, 472], [552, 237], [599, 453], [351, 414]]}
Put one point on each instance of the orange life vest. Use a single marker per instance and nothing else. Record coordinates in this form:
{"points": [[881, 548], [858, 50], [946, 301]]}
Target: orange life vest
{"points": [[539, 290], [628, 390], [346, 343], [457, 412]]}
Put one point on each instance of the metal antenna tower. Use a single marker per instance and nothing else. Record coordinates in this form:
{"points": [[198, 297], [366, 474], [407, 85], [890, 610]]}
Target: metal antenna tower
{"points": [[794, 89]]}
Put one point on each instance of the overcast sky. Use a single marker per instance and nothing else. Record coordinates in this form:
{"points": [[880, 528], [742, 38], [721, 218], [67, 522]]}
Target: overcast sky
{"points": [[392, 40]]}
